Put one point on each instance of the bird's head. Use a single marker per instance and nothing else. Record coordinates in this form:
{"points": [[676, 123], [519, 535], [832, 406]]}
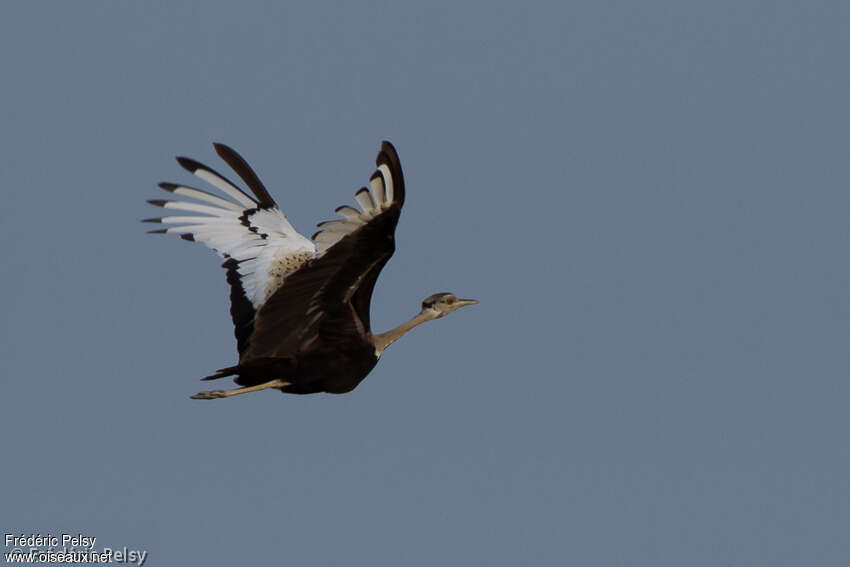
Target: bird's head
{"points": [[441, 304]]}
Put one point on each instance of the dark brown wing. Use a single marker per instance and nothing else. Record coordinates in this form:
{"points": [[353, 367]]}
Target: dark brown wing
{"points": [[289, 321], [291, 318]]}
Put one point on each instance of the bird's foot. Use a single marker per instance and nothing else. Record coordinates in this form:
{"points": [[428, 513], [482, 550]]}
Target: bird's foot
{"points": [[210, 395], [215, 394]]}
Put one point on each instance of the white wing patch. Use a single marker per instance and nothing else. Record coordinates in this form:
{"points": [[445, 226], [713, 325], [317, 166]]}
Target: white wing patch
{"points": [[262, 241], [255, 234], [372, 201]]}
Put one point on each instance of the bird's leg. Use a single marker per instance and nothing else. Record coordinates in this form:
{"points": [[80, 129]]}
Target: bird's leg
{"points": [[215, 394]]}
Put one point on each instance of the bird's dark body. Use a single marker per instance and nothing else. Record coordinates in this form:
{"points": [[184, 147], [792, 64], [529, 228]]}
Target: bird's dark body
{"points": [[336, 362], [314, 331], [335, 370]]}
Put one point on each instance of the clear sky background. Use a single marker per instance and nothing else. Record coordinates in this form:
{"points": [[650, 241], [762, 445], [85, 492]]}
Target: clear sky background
{"points": [[650, 200]]}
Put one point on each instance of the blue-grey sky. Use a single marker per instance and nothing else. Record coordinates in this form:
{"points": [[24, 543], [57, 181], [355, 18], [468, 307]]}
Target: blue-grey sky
{"points": [[650, 199]]}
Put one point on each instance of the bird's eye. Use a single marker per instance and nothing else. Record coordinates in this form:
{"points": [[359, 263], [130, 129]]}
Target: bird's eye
{"points": [[450, 300]]}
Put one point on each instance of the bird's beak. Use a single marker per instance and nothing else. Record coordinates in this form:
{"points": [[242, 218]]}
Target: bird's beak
{"points": [[463, 302]]}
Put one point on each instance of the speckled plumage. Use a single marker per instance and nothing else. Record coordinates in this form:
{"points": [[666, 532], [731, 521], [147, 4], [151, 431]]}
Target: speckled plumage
{"points": [[282, 266]]}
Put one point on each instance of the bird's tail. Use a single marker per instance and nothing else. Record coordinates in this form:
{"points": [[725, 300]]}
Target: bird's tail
{"points": [[222, 372]]}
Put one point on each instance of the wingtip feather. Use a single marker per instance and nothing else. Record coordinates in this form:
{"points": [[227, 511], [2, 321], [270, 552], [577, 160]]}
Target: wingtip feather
{"points": [[220, 147], [189, 164]]}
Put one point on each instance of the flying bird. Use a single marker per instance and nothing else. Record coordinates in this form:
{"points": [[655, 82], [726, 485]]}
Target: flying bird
{"points": [[300, 306]]}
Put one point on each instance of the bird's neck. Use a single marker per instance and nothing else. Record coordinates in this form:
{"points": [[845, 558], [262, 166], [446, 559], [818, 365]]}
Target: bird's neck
{"points": [[383, 340]]}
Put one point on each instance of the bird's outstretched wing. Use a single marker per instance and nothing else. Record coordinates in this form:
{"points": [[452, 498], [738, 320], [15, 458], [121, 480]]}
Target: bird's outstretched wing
{"points": [[350, 254], [386, 190], [260, 246], [264, 253]]}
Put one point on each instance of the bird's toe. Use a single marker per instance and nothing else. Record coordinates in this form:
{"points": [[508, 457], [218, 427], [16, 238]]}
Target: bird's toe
{"points": [[209, 395]]}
